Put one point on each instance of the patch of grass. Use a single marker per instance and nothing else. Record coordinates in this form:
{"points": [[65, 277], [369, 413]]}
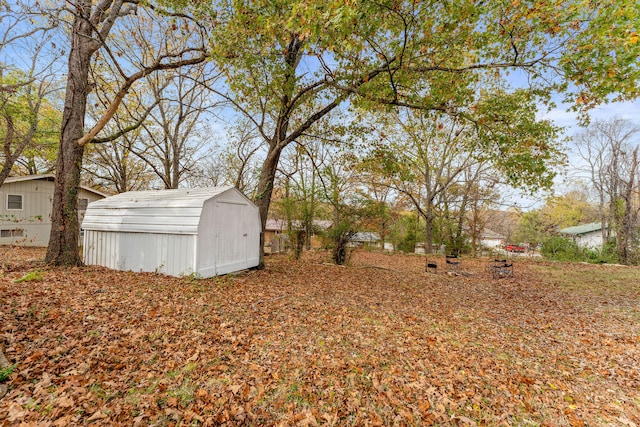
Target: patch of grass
{"points": [[133, 396], [185, 394], [32, 404], [224, 281], [6, 372], [103, 393], [580, 276], [32, 276], [189, 368]]}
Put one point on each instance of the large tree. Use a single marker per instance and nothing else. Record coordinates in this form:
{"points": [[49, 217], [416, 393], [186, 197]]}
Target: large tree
{"points": [[171, 142], [27, 115], [28, 84], [91, 33], [438, 161], [290, 63], [610, 150]]}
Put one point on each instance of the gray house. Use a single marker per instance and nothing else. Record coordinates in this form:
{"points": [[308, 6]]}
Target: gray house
{"points": [[25, 209], [365, 239]]}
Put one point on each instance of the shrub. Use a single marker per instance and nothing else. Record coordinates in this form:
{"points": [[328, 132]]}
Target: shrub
{"points": [[563, 249]]}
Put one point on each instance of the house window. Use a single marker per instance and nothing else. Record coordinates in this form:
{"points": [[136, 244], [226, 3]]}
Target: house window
{"points": [[82, 204], [14, 202], [12, 233]]}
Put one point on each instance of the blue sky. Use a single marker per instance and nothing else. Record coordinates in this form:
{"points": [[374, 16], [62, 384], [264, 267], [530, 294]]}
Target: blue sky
{"points": [[564, 118], [569, 121]]}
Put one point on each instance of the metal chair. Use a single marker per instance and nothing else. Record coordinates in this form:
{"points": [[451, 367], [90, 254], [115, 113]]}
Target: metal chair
{"points": [[501, 268], [453, 263], [431, 267]]}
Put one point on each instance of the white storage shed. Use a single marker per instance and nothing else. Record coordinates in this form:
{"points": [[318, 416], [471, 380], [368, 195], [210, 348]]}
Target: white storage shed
{"points": [[205, 231]]}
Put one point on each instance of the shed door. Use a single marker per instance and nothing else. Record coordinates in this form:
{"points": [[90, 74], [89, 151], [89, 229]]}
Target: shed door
{"points": [[232, 232]]}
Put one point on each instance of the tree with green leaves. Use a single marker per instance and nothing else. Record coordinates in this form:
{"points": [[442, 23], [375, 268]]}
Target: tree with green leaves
{"points": [[533, 227], [437, 161], [291, 63], [300, 199], [569, 209], [27, 117], [29, 84]]}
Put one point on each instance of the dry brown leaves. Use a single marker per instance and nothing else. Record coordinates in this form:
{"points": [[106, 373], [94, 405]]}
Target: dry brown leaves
{"points": [[305, 343]]}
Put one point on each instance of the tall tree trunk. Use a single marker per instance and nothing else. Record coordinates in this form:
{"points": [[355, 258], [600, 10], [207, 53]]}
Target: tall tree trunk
{"points": [[429, 217], [65, 227], [264, 192], [9, 157], [625, 213]]}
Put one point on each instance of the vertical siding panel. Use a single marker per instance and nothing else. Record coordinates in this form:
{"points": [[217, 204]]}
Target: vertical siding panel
{"points": [[181, 257], [105, 250], [173, 255], [184, 255], [100, 247], [112, 253], [113, 250]]}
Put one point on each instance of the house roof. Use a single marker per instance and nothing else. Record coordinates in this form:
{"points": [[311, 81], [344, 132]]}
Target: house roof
{"points": [[490, 234], [281, 224], [275, 225], [582, 229], [156, 211], [47, 177], [365, 236]]}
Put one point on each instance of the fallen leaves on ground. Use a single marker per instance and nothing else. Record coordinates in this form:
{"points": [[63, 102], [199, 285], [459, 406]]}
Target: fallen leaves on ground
{"points": [[306, 343]]}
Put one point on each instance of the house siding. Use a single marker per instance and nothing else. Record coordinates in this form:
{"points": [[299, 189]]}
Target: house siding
{"points": [[35, 216], [589, 240]]}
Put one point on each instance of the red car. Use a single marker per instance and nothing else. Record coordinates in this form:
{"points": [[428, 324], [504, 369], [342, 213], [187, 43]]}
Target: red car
{"points": [[514, 248]]}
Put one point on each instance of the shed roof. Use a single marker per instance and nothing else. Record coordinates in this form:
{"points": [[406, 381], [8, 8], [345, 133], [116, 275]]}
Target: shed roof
{"points": [[156, 211], [582, 229]]}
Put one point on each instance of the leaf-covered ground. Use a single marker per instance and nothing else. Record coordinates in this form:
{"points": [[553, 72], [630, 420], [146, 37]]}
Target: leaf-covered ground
{"points": [[307, 343]]}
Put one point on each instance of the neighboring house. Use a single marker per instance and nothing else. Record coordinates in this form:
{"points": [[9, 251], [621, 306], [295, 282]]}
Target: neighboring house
{"points": [[275, 234], [275, 238], [201, 231], [366, 239], [491, 239], [25, 209], [585, 236]]}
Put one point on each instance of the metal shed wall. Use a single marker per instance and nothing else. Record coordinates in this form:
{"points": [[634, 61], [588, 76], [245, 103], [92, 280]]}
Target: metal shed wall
{"points": [[171, 254], [228, 235], [177, 232]]}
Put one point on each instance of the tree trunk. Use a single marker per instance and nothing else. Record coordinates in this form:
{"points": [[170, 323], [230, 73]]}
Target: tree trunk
{"points": [[625, 228], [65, 227], [264, 192], [428, 229], [9, 157]]}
